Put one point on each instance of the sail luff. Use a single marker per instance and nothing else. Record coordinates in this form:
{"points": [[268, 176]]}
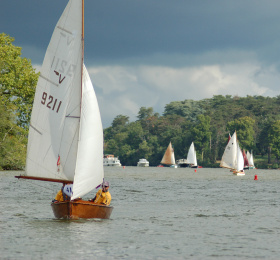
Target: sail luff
{"points": [[229, 157], [240, 159], [54, 125]]}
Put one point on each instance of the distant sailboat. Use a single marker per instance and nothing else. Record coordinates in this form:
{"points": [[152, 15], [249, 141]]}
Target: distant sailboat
{"points": [[65, 142], [232, 157], [239, 167], [168, 159], [250, 160], [191, 160]]}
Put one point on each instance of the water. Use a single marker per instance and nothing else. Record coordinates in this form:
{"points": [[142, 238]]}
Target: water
{"points": [[159, 213]]}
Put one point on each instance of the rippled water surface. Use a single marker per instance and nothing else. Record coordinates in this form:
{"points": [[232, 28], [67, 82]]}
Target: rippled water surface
{"points": [[159, 213]]}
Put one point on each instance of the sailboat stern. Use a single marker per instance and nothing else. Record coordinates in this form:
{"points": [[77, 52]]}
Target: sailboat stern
{"points": [[81, 209]]}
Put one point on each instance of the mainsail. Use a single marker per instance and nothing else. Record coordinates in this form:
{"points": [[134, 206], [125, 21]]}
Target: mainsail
{"points": [[229, 159], [191, 158], [168, 157], [240, 159], [65, 136], [250, 159]]}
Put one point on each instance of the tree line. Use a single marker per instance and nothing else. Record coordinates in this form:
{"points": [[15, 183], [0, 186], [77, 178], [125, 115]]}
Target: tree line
{"points": [[206, 122]]}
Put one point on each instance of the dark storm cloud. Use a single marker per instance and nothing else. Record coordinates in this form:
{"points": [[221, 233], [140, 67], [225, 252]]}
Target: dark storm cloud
{"points": [[142, 28], [151, 52], [120, 30]]}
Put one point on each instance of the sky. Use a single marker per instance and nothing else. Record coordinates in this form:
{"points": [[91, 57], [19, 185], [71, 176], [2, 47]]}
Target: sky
{"points": [[148, 53]]}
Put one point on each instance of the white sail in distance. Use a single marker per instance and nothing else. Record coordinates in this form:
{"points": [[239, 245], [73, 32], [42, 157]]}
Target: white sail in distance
{"points": [[240, 160], [229, 158], [191, 158], [250, 159]]}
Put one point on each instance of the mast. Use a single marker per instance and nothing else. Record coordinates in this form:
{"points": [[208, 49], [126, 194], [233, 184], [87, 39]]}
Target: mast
{"points": [[83, 45]]}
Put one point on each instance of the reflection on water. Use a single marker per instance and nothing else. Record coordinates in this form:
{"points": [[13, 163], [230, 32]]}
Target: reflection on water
{"points": [[159, 213]]}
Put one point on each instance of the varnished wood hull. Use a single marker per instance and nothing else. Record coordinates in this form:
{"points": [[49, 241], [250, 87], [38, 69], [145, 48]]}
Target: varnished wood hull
{"points": [[81, 209], [238, 173]]}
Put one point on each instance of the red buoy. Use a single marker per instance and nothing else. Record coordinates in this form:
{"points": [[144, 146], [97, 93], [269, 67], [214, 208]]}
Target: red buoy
{"points": [[256, 177], [195, 170]]}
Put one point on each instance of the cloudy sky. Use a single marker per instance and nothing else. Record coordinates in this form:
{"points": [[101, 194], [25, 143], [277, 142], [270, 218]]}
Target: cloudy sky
{"points": [[147, 53]]}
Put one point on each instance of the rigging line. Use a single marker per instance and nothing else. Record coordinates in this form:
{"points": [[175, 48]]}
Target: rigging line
{"points": [[73, 116], [35, 129], [48, 80], [61, 28]]}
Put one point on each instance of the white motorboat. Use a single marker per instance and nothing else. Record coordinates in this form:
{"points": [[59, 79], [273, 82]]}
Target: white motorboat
{"points": [[110, 160], [143, 163]]}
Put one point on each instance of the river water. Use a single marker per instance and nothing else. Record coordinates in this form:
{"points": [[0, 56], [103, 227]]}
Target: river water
{"points": [[159, 213]]}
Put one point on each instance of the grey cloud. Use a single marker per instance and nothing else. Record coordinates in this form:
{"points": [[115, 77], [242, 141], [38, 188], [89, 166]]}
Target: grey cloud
{"points": [[208, 47]]}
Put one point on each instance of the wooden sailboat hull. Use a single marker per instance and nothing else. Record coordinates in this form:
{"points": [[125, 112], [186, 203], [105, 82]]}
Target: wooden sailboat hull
{"points": [[81, 209], [238, 173]]}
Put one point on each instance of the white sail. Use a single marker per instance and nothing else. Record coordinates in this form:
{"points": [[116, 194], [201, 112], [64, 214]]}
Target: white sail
{"points": [[229, 158], [89, 168], [250, 159], [173, 162], [240, 160], [65, 135], [248, 155], [168, 157], [191, 158], [54, 125]]}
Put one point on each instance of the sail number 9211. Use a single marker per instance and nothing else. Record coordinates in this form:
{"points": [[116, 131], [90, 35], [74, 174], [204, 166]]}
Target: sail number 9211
{"points": [[51, 102]]}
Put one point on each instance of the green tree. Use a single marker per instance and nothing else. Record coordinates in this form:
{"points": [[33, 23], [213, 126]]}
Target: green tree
{"points": [[274, 139], [145, 150], [185, 121], [135, 134], [189, 109], [145, 113], [120, 121], [244, 127], [12, 141], [110, 146], [17, 80], [201, 134]]}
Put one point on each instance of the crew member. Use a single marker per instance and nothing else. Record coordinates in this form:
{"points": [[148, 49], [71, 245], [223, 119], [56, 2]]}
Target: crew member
{"points": [[103, 196], [64, 193]]}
